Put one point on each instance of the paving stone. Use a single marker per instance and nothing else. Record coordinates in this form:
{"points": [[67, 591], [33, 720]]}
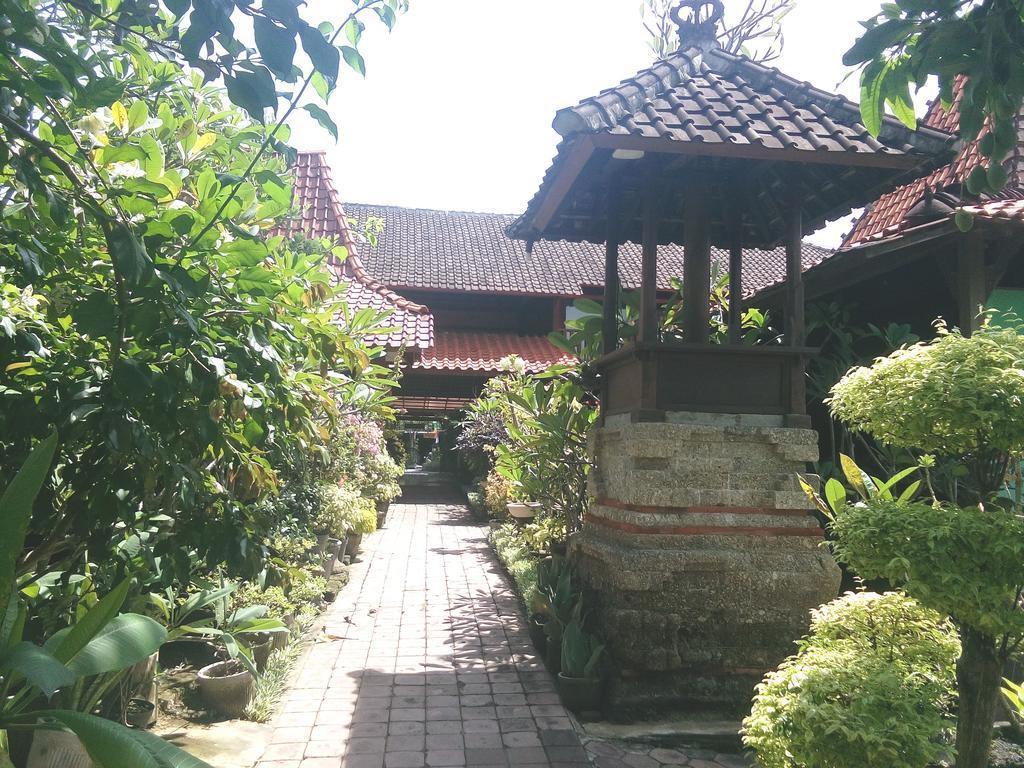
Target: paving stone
{"points": [[669, 756], [405, 759], [636, 760]]}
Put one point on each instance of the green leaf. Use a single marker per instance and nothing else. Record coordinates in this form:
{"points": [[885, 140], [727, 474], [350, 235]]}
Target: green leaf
{"points": [[276, 45], [128, 254], [38, 667], [16, 509], [872, 97], [321, 116], [125, 641], [109, 744], [253, 91], [964, 221], [325, 57], [65, 645], [354, 59], [876, 40], [835, 493]]}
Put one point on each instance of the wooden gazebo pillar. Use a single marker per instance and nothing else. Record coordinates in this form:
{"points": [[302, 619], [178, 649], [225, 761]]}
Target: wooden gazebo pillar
{"points": [[796, 331], [971, 289], [696, 266], [735, 219], [647, 332], [610, 319]]}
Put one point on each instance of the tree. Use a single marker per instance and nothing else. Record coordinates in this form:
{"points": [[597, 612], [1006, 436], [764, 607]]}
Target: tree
{"points": [[756, 32], [957, 397], [910, 41]]}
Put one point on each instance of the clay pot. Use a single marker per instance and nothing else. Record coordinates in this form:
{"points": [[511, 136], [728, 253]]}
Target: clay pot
{"points": [[279, 640], [580, 694], [140, 688], [355, 543], [226, 687], [322, 539], [57, 749], [342, 548]]}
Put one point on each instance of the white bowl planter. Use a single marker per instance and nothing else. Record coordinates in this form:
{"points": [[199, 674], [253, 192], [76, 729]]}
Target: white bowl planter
{"points": [[521, 511]]}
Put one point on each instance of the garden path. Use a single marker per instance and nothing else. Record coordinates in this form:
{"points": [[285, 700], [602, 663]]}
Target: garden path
{"points": [[425, 662]]}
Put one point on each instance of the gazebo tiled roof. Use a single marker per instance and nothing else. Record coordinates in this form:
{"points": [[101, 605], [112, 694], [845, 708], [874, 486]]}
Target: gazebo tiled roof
{"points": [[321, 215], [708, 106], [456, 251]]}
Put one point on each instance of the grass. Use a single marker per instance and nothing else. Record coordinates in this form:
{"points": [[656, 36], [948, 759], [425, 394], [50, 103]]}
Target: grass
{"points": [[270, 685]]}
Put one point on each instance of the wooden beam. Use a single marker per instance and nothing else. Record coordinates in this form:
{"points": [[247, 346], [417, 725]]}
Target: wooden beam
{"points": [[735, 272], [898, 162], [795, 329], [971, 295], [610, 323], [648, 330], [696, 265], [576, 160]]}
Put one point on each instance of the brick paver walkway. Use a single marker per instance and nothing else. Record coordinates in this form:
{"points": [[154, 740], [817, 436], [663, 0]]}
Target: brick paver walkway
{"points": [[425, 661]]}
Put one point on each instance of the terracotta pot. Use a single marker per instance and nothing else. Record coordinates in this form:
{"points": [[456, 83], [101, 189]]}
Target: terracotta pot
{"points": [[355, 543], [343, 548], [226, 687], [580, 694], [57, 749]]}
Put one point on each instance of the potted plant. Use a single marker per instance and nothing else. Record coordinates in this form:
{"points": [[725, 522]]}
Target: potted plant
{"points": [[362, 520], [579, 681], [226, 686]]}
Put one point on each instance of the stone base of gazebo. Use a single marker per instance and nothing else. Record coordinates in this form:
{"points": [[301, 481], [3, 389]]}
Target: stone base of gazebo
{"points": [[700, 559]]}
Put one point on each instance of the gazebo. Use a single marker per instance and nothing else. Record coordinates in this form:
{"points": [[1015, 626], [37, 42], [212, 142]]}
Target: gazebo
{"points": [[700, 557]]}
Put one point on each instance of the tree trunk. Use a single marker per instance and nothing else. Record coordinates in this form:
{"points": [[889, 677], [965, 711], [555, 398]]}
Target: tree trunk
{"points": [[979, 673]]}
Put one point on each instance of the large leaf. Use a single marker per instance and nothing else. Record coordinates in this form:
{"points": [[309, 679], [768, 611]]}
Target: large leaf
{"points": [[67, 643], [326, 122], [325, 57], [126, 640], [109, 744], [276, 45], [253, 91], [877, 39], [16, 509], [38, 667]]}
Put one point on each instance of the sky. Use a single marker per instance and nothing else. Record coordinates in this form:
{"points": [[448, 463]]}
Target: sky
{"points": [[455, 111]]}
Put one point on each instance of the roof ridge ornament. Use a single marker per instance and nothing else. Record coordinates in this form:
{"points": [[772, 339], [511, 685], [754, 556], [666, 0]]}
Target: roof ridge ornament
{"points": [[700, 29]]}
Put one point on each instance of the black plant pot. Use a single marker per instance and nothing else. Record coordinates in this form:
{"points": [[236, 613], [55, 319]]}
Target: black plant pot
{"points": [[580, 694], [538, 636], [553, 655]]}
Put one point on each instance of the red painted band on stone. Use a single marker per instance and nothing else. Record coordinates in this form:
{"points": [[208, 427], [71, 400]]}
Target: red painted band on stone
{"points": [[651, 510], [701, 530]]}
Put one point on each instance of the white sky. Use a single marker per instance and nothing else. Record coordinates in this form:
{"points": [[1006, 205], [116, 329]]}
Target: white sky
{"points": [[455, 112]]}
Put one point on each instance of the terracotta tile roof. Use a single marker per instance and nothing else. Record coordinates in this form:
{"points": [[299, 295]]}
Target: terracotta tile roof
{"points": [[719, 97], [457, 251], [468, 351], [887, 216], [321, 215]]}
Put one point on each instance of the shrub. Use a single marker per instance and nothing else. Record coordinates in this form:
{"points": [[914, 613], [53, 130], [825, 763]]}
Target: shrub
{"points": [[870, 687], [307, 589], [277, 603], [362, 516], [497, 494], [515, 555]]}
